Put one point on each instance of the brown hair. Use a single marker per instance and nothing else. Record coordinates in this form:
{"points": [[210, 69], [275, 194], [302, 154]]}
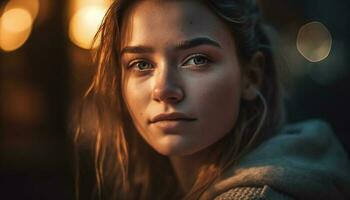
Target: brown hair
{"points": [[124, 165]]}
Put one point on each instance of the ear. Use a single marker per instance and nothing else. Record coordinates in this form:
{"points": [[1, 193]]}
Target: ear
{"points": [[253, 74]]}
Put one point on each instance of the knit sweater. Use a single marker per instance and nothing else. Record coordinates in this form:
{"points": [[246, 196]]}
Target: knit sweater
{"points": [[303, 161]]}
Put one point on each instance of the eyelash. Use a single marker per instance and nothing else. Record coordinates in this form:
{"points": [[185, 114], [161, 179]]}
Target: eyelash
{"points": [[132, 64], [207, 60]]}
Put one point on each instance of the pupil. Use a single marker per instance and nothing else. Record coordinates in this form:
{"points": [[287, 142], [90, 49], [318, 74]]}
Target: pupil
{"points": [[199, 60], [142, 65]]}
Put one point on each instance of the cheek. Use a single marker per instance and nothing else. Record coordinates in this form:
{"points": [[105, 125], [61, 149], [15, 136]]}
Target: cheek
{"points": [[218, 102], [136, 101], [224, 99]]}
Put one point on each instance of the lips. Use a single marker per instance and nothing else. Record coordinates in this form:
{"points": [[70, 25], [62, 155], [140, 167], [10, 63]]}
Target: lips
{"points": [[175, 116]]}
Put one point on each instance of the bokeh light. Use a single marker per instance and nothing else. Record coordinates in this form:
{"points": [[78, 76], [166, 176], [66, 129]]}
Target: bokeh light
{"points": [[78, 4], [314, 41], [32, 6], [331, 70], [15, 28], [16, 20], [84, 25]]}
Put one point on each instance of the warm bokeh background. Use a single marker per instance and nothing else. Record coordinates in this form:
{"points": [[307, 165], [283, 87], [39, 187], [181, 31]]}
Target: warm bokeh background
{"points": [[45, 67]]}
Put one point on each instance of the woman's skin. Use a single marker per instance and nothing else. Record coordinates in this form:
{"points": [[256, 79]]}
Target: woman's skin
{"points": [[178, 56]]}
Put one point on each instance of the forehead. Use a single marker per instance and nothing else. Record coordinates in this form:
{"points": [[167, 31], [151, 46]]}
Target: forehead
{"points": [[165, 22]]}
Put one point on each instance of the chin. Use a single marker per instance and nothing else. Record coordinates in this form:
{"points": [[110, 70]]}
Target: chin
{"points": [[175, 145]]}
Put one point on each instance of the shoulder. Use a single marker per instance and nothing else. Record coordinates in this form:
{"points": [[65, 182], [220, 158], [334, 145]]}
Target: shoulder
{"points": [[309, 128], [252, 193], [299, 140], [304, 160]]}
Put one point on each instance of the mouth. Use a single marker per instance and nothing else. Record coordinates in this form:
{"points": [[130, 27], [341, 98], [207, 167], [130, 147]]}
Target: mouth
{"points": [[179, 119], [172, 117], [173, 126]]}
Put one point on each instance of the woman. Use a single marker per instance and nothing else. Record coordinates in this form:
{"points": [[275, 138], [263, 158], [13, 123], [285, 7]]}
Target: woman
{"points": [[185, 103]]}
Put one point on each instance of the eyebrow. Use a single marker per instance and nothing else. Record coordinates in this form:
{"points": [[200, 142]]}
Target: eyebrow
{"points": [[183, 45], [136, 49], [187, 44]]}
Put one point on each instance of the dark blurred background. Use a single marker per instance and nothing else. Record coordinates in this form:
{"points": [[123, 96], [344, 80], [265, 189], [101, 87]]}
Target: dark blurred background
{"points": [[45, 68]]}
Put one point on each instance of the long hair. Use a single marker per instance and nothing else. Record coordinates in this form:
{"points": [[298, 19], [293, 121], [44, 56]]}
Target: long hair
{"points": [[125, 166]]}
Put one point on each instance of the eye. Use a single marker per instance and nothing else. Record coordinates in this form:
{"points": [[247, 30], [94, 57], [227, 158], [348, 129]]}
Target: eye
{"points": [[141, 65], [197, 60]]}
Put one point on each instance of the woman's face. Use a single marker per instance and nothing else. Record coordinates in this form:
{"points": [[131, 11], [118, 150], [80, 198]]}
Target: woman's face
{"points": [[181, 75]]}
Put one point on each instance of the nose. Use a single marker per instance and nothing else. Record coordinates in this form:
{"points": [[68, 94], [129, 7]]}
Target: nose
{"points": [[167, 87]]}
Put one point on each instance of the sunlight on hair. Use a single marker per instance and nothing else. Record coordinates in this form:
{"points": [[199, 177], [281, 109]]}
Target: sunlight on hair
{"points": [[314, 41], [84, 25], [15, 28]]}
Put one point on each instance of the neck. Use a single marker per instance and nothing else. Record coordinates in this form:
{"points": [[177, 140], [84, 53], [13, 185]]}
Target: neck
{"points": [[187, 168]]}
